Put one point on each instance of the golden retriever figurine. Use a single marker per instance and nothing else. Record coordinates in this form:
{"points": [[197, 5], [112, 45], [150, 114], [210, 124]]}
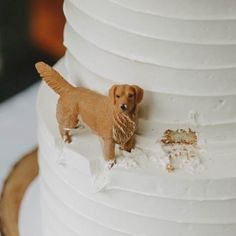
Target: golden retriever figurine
{"points": [[112, 117]]}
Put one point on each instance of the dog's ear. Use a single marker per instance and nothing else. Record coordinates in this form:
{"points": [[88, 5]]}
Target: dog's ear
{"points": [[111, 94], [138, 93]]}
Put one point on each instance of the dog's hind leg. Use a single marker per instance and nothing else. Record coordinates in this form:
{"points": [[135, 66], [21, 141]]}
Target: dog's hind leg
{"points": [[70, 123], [65, 134]]}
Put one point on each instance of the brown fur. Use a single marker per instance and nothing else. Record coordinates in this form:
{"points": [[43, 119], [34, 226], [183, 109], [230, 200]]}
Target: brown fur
{"points": [[102, 114]]}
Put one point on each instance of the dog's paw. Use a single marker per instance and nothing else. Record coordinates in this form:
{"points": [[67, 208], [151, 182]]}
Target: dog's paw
{"points": [[67, 139], [111, 163], [127, 147]]}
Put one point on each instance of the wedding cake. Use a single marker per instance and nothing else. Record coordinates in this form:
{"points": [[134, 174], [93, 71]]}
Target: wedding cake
{"points": [[183, 54]]}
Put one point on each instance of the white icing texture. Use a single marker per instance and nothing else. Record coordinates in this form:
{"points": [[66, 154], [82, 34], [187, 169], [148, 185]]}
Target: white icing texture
{"points": [[183, 53]]}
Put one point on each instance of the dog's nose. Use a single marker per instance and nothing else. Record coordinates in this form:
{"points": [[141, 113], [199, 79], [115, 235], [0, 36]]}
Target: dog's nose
{"points": [[123, 107]]}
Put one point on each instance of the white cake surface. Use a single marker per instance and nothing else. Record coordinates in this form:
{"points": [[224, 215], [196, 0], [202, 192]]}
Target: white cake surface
{"points": [[30, 211], [183, 53]]}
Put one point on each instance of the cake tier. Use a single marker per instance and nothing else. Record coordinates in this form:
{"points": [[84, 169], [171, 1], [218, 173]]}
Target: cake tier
{"points": [[183, 53], [142, 201]]}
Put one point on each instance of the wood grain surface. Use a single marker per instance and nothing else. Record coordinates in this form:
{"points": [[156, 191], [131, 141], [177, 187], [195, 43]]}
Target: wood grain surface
{"points": [[13, 191]]}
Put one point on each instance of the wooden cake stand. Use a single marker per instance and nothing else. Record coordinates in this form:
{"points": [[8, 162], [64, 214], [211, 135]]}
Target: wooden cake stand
{"points": [[13, 191]]}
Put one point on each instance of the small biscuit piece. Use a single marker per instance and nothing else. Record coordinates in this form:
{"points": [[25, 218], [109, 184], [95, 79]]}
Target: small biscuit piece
{"points": [[170, 168], [180, 136]]}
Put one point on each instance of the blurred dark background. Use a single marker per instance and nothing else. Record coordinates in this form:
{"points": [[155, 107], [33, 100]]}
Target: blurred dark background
{"points": [[30, 30]]}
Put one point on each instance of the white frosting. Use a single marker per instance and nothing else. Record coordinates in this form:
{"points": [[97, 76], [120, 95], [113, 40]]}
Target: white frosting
{"points": [[182, 53]]}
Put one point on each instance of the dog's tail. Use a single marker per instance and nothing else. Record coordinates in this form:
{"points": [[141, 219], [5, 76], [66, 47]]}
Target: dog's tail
{"points": [[53, 78]]}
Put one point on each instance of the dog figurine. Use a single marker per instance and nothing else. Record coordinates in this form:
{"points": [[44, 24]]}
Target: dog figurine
{"points": [[111, 117]]}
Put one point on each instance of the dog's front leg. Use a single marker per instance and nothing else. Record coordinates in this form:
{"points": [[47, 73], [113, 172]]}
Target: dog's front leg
{"points": [[109, 151], [129, 145]]}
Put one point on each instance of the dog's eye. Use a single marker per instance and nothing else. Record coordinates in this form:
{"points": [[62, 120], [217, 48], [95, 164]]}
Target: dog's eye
{"points": [[131, 95], [117, 96]]}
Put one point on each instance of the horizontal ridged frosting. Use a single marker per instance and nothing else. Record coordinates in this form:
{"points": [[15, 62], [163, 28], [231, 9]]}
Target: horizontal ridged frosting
{"points": [[183, 9]]}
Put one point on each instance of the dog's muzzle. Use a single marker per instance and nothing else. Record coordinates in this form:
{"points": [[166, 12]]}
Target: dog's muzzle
{"points": [[123, 107]]}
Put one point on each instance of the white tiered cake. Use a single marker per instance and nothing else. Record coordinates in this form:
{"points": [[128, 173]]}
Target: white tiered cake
{"points": [[183, 53]]}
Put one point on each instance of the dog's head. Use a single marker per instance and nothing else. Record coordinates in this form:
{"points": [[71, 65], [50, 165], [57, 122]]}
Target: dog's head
{"points": [[125, 97]]}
